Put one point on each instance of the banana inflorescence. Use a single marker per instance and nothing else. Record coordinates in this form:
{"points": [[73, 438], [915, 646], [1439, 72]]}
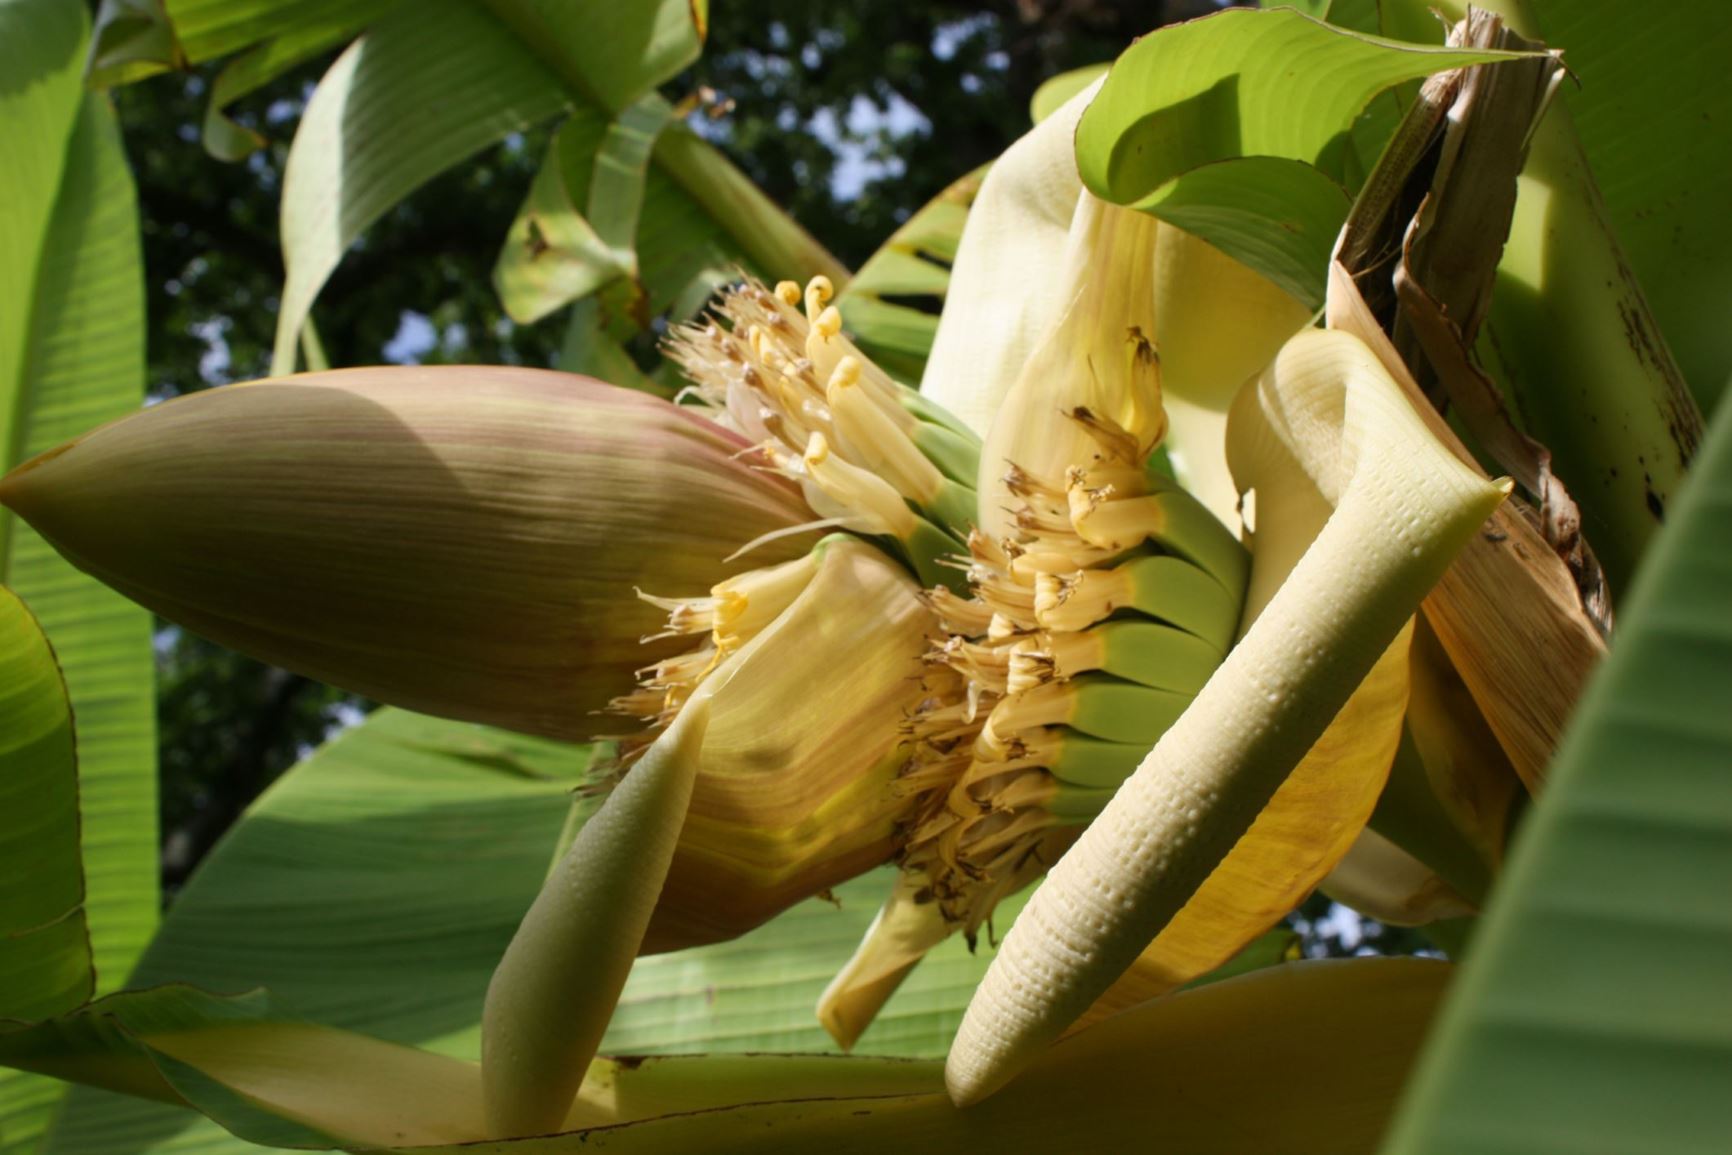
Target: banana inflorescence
{"points": [[1078, 598], [1327, 415], [1101, 597]]}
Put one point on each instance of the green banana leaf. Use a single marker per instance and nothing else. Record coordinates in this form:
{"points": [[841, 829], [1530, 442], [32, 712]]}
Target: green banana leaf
{"points": [[589, 348], [645, 213], [262, 63], [72, 356], [1238, 128], [610, 54], [891, 306], [1322, 1047], [373, 887], [209, 29], [45, 964], [1595, 1010], [426, 88], [376, 885], [132, 39], [1572, 336], [629, 199], [1054, 92], [1652, 110], [85, 366], [577, 233], [137, 39]]}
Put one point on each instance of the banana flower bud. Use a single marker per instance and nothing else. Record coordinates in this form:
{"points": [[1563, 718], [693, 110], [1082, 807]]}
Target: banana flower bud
{"points": [[459, 541]]}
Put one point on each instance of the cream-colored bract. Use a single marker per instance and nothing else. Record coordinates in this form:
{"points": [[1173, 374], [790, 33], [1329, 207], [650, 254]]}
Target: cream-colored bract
{"points": [[1217, 322], [555, 988]]}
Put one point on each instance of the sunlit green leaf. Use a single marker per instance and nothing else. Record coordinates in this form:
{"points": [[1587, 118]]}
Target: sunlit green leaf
{"points": [[86, 366], [45, 965], [751, 223], [72, 356], [553, 254], [891, 306], [226, 139], [1052, 94], [658, 232], [1187, 103], [1654, 113], [609, 54]]}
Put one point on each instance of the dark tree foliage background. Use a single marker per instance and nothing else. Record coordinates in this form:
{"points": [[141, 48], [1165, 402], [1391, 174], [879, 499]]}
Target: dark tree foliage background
{"points": [[850, 114]]}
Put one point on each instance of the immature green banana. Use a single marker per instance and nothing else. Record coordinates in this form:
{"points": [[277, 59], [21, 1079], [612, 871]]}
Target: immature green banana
{"points": [[1161, 586], [1102, 596]]}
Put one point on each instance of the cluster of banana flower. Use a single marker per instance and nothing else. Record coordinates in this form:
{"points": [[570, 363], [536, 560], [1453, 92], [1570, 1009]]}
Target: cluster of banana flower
{"points": [[943, 627]]}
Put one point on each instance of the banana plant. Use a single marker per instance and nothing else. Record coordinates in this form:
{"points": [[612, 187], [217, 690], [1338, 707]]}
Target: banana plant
{"points": [[1035, 614]]}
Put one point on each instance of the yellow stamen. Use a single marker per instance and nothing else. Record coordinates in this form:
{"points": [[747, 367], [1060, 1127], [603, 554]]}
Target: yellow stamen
{"points": [[756, 598]]}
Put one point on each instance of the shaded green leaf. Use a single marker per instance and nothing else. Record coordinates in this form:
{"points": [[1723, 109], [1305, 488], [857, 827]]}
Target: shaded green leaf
{"points": [[589, 349], [211, 28], [1594, 1011], [1654, 115], [427, 87], [132, 39], [1283, 216]]}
